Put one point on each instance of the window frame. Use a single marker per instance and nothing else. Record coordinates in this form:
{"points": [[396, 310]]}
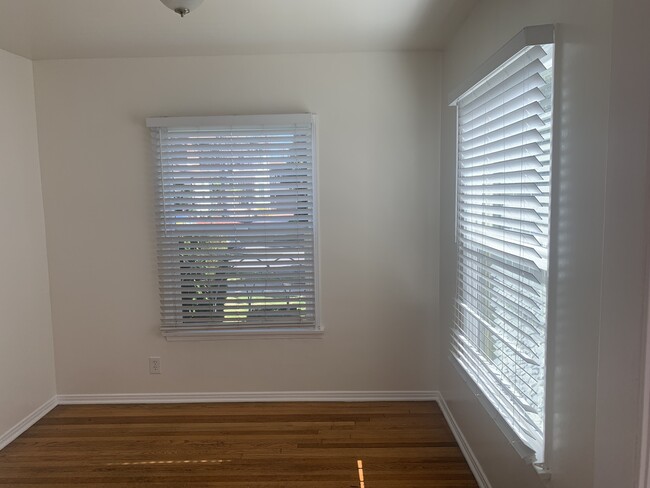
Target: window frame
{"points": [[529, 36], [271, 331]]}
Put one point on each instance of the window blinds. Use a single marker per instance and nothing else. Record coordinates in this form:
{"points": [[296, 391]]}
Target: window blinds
{"points": [[502, 224], [236, 233]]}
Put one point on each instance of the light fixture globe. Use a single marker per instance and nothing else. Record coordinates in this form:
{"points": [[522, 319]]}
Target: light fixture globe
{"points": [[182, 7]]}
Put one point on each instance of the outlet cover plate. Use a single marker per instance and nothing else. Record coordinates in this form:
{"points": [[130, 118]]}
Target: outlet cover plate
{"points": [[154, 365]]}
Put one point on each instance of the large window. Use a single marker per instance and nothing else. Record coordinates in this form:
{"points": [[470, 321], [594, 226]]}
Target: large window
{"points": [[502, 224], [236, 236]]}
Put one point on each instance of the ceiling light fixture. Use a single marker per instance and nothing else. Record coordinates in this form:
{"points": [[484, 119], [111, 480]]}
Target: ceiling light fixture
{"points": [[182, 7]]}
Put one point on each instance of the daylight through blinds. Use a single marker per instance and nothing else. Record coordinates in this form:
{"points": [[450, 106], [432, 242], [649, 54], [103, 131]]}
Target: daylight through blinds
{"points": [[504, 164], [236, 246]]}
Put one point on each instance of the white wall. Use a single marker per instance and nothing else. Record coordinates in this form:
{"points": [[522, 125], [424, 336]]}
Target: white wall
{"points": [[26, 355], [625, 266], [379, 137], [580, 170]]}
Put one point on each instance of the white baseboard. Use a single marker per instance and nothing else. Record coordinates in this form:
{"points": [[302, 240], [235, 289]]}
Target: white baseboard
{"points": [[27, 422], [471, 458], [280, 396]]}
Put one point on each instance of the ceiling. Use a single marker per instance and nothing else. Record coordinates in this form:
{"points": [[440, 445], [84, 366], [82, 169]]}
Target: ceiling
{"points": [[60, 29]]}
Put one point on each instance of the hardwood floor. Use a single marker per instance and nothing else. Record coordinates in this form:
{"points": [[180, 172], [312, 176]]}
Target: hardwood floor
{"points": [[245, 445]]}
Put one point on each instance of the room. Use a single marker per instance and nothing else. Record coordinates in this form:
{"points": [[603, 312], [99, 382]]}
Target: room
{"points": [[377, 86]]}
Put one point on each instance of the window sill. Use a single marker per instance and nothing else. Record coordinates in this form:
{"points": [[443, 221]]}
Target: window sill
{"points": [[217, 335], [543, 472], [527, 454]]}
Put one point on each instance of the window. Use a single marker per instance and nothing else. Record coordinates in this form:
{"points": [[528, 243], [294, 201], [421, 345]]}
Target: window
{"points": [[236, 230], [502, 225]]}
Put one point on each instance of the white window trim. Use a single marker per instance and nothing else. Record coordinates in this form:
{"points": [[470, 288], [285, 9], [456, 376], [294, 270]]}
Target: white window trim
{"points": [[232, 120], [277, 332], [528, 36]]}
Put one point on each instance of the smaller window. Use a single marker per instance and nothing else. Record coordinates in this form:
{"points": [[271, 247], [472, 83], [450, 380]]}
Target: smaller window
{"points": [[237, 223]]}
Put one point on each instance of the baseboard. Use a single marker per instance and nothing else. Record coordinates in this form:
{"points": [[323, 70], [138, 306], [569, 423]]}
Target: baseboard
{"points": [[285, 396], [27, 422], [471, 458]]}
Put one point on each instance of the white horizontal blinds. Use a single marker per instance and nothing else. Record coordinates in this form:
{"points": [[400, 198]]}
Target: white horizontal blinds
{"points": [[504, 163], [236, 231]]}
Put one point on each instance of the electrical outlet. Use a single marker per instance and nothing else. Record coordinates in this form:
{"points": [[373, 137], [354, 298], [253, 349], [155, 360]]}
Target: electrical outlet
{"points": [[154, 365]]}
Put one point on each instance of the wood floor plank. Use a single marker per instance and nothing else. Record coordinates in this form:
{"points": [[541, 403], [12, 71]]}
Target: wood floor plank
{"points": [[237, 445]]}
